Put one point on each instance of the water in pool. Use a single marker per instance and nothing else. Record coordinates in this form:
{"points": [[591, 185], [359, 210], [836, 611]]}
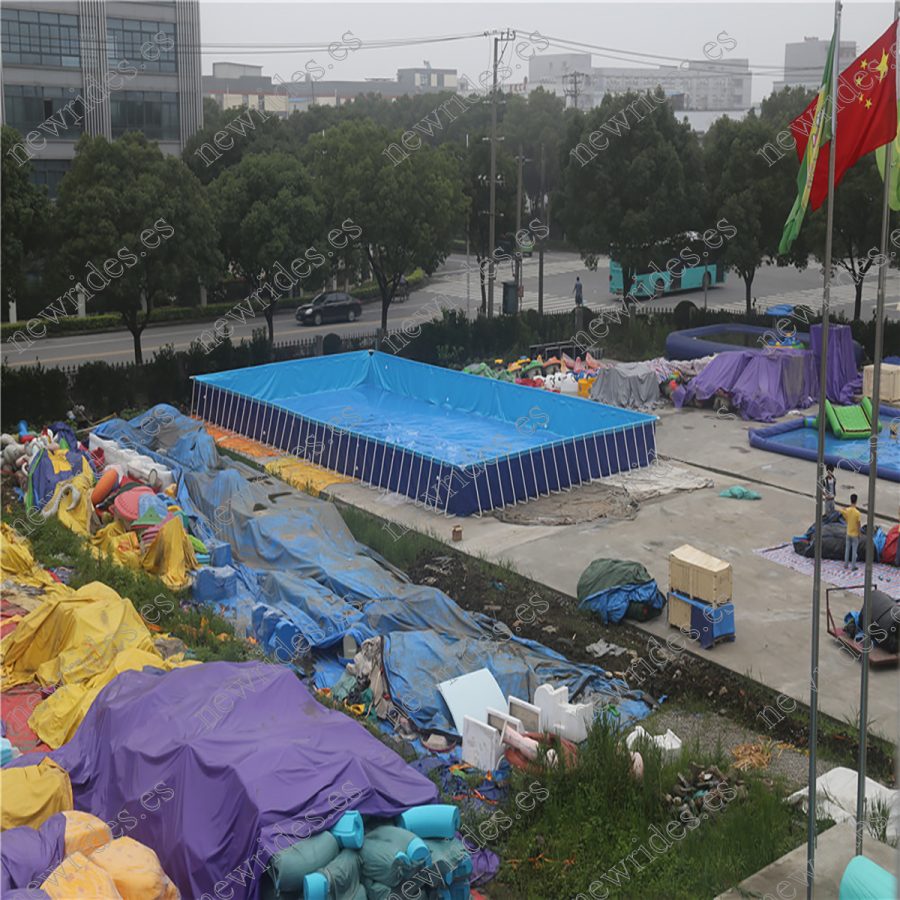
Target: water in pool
{"points": [[853, 451]]}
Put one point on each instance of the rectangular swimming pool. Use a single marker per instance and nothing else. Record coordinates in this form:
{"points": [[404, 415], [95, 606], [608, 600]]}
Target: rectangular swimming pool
{"points": [[458, 443]]}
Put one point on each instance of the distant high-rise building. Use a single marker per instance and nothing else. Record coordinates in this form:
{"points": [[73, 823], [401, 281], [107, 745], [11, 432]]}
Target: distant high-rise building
{"points": [[99, 67], [804, 62]]}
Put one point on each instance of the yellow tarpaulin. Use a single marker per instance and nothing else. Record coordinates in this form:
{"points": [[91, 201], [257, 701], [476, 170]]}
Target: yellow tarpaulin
{"points": [[17, 562], [171, 555], [72, 636], [136, 870], [76, 876], [32, 794], [75, 493], [57, 718], [115, 541], [304, 476], [84, 832]]}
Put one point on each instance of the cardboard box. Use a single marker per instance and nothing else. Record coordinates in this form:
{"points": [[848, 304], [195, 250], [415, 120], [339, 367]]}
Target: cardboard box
{"points": [[890, 382], [699, 575]]}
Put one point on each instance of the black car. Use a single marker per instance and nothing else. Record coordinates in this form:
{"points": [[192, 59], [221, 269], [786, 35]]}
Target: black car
{"points": [[329, 306]]}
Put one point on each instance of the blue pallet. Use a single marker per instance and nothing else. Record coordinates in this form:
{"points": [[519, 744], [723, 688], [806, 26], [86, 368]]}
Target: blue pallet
{"points": [[712, 623]]}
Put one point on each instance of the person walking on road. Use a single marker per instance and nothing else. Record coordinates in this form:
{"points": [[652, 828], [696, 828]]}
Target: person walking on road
{"points": [[579, 288], [851, 541]]}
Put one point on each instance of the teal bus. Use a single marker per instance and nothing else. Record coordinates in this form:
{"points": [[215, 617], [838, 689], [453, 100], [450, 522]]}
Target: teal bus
{"points": [[669, 269]]}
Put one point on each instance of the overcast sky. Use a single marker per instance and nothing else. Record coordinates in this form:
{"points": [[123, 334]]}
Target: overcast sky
{"points": [[239, 31]]}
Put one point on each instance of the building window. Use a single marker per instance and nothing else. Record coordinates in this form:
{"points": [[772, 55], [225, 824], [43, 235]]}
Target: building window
{"points": [[148, 46], [57, 113], [154, 113], [40, 38], [49, 173]]}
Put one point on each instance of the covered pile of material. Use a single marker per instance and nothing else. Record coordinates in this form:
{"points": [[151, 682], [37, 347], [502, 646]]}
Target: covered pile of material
{"points": [[77, 642], [760, 384], [619, 588], [301, 584], [244, 751], [833, 538], [74, 854]]}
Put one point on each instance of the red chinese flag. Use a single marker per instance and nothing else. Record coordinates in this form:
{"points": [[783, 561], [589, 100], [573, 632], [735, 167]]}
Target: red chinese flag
{"points": [[867, 113]]}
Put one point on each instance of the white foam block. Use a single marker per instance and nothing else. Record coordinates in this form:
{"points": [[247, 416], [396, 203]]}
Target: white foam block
{"points": [[550, 701], [527, 713], [471, 695], [481, 745]]}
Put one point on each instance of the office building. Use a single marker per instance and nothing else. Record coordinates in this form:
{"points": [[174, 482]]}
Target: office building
{"points": [[700, 85], [804, 62], [98, 67]]}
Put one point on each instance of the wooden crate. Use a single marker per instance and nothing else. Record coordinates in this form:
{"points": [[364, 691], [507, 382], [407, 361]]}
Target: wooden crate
{"points": [[890, 382], [699, 575], [679, 613]]}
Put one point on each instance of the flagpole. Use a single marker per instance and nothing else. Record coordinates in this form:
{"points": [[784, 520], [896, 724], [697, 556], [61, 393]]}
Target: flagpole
{"points": [[870, 513], [820, 475]]}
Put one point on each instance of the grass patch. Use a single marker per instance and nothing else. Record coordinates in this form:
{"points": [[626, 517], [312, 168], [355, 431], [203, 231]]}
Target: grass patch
{"points": [[594, 828], [209, 635]]}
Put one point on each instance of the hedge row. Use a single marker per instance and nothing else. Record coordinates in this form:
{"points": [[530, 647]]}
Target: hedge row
{"points": [[41, 395], [107, 321]]}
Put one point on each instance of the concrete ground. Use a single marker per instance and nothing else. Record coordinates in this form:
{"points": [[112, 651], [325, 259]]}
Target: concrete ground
{"points": [[772, 603], [786, 877]]}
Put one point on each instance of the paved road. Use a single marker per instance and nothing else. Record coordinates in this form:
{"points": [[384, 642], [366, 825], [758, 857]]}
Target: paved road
{"points": [[448, 289]]}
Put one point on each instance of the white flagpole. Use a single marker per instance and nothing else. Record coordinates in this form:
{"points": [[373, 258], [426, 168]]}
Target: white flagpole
{"points": [[820, 474]]}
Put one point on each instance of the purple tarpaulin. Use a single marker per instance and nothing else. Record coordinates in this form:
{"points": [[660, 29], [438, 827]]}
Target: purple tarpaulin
{"points": [[843, 382], [762, 384], [211, 764], [31, 854]]}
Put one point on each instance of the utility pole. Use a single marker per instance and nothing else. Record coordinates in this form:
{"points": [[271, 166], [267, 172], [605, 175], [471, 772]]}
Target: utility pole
{"points": [[573, 92], [541, 243], [521, 161], [506, 36]]}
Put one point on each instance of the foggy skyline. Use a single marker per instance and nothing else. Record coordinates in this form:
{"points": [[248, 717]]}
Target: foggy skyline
{"points": [[239, 31]]}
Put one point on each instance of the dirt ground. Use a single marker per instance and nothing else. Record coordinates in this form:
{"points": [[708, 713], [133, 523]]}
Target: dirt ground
{"points": [[731, 703]]}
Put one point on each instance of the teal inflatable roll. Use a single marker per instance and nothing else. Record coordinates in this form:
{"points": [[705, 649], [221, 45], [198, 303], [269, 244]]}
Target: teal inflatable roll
{"points": [[315, 887], [438, 820], [349, 831], [865, 880], [418, 852]]}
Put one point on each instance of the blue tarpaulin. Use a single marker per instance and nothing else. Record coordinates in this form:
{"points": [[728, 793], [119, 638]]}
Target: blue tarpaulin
{"points": [[304, 578]]}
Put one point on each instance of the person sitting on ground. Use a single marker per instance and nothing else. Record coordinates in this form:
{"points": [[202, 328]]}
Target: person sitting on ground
{"points": [[851, 541]]}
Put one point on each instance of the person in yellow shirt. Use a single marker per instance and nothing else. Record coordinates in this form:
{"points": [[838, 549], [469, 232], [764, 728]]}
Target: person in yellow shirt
{"points": [[851, 541]]}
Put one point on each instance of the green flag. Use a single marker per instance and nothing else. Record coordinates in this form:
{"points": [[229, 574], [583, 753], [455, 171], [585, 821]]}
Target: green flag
{"points": [[819, 134], [894, 196]]}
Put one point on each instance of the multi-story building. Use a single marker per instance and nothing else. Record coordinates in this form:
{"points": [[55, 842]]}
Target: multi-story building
{"points": [[98, 67], [235, 84], [804, 62], [721, 85]]}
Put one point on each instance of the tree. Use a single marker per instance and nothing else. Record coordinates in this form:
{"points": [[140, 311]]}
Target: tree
{"points": [[268, 221], [25, 214], [856, 245], [226, 137], [751, 194], [536, 123], [639, 183], [408, 213], [135, 223]]}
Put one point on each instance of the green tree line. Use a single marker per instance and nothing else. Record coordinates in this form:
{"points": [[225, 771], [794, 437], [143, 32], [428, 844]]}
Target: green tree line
{"points": [[252, 195]]}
